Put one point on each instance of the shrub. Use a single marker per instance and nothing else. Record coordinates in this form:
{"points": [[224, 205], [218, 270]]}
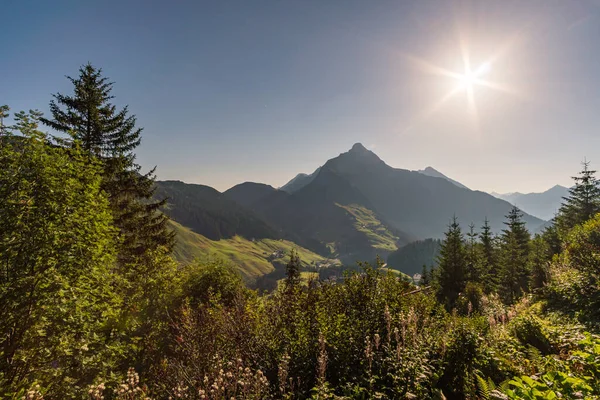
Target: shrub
{"points": [[528, 329]]}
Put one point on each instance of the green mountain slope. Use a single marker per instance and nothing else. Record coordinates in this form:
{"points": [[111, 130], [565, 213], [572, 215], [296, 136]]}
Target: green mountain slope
{"points": [[252, 258], [210, 213], [365, 220]]}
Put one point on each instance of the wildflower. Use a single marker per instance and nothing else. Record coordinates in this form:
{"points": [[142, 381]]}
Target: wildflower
{"points": [[369, 351], [388, 323]]}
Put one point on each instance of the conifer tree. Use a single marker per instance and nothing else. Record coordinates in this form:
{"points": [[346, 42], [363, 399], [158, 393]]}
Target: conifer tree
{"points": [[292, 270], [451, 265], [89, 119], [551, 236], [472, 271], [515, 240], [488, 257], [583, 201]]}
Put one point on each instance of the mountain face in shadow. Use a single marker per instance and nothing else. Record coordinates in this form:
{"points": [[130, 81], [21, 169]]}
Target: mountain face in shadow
{"points": [[414, 203], [358, 206]]}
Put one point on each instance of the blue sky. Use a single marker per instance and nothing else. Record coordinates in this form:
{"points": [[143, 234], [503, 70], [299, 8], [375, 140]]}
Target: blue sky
{"points": [[233, 91]]}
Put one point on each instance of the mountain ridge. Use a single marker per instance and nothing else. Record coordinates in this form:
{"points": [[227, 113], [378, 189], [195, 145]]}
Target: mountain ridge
{"points": [[430, 171], [544, 205], [389, 202]]}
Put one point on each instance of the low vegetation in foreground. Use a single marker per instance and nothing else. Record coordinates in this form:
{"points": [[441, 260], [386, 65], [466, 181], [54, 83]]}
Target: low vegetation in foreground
{"points": [[93, 305]]}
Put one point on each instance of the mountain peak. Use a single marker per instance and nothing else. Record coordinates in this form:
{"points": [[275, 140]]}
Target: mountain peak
{"points": [[358, 147], [558, 187]]}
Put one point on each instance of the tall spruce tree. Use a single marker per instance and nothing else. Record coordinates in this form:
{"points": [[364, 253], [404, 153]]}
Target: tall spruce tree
{"points": [[488, 257], [583, 201], [451, 265], [473, 264], [514, 279], [90, 120]]}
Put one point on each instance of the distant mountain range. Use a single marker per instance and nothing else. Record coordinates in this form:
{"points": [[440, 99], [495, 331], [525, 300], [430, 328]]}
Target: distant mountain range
{"points": [[358, 206], [543, 205], [354, 207]]}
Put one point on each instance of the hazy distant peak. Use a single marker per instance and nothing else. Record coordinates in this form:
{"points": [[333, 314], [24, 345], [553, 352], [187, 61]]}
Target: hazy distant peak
{"points": [[558, 188], [543, 205]]}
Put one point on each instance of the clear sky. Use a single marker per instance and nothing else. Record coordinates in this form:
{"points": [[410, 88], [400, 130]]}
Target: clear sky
{"points": [[233, 91]]}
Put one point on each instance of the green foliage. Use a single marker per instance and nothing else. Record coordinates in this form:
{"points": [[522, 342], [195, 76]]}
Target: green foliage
{"points": [[529, 330], [471, 300], [463, 350], [215, 281], [552, 385], [58, 304], [583, 248]]}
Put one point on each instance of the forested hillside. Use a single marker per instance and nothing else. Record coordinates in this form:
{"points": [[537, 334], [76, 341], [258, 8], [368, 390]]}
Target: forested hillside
{"points": [[95, 305], [210, 213], [412, 258]]}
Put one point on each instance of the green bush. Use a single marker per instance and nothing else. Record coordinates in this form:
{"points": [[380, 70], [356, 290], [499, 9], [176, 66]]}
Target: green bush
{"points": [[529, 330]]}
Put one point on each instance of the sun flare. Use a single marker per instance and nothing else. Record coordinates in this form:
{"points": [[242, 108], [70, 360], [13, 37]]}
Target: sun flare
{"points": [[469, 78]]}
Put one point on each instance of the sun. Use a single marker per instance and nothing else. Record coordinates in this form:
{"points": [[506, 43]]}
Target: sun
{"points": [[470, 78]]}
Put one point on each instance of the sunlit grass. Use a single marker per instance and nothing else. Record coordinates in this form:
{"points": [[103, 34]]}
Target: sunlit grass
{"points": [[253, 258]]}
